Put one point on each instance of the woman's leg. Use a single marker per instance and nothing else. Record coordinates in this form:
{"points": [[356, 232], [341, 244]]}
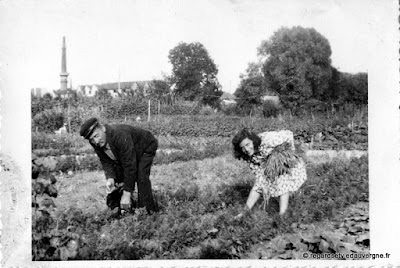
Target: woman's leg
{"points": [[252, 199], [283, 203]]}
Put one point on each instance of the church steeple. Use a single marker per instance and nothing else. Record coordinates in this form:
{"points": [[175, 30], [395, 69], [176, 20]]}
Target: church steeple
{"points": [[64, 74]]}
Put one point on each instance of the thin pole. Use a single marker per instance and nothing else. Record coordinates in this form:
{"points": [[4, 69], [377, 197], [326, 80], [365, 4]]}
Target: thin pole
{"points": [[148, 117]]}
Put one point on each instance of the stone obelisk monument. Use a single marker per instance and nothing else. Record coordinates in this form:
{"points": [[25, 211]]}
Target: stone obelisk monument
{"points": [[64, 74]]}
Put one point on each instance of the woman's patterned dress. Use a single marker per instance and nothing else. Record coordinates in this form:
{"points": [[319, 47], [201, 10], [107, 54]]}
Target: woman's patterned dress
{"points": [[282, 184]]}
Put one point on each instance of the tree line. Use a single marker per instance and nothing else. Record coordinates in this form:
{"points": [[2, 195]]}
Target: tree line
{"points": [[294, 64]]}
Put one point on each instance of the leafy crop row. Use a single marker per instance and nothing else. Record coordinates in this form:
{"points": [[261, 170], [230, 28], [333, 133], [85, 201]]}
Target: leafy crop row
{"points": [[53, 145], [324, 134], [49, 242], [90, 162], [198, 221]]}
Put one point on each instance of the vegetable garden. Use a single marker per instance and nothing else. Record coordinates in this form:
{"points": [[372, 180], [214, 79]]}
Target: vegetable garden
{"points": [[200, 188]]}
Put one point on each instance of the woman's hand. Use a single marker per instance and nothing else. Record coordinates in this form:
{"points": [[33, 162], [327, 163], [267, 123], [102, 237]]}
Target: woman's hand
{"points": [[244, 212]]}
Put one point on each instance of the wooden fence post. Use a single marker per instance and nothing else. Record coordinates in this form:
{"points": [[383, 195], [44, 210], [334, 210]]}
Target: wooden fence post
{"points": [[148, 117]]}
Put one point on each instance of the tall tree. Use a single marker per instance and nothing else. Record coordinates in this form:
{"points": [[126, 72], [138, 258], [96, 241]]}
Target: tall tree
{"points": [[249, 93], [297, 65], [192, 68], [159, 89], [356, 87], [253, 69], [211, 92]]}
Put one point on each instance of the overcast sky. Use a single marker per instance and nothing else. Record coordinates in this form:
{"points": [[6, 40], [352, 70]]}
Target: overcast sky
{"points": [[131, 39]]}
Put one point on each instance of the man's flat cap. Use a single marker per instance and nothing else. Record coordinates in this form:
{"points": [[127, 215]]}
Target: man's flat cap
{"points": [[88, 126]]}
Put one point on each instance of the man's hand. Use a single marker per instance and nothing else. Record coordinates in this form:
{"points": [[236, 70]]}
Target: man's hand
{"points": [[126, 201], [110, 185]]}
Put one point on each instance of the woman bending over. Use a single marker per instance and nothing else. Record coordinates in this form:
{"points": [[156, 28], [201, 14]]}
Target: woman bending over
{"points": [[271, 157]]}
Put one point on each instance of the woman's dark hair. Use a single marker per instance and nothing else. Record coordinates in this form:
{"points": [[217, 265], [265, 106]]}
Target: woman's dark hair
{"points": [[239, 137]]}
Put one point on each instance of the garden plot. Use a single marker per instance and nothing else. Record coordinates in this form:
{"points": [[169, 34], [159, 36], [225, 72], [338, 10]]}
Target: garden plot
{"points": [[199, 200]]}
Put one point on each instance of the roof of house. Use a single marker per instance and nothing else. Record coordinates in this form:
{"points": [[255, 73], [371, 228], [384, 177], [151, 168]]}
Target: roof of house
{"points": [[227, 96], [123, 85], [114, 85]]}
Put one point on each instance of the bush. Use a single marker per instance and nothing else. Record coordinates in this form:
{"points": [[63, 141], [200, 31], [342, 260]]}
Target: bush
{"points": [[48, 120], [206, 110], [230, 110], [270, 108]]}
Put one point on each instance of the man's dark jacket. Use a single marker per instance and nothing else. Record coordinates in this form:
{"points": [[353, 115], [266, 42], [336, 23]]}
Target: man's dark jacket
{"points": [[128, 145]]}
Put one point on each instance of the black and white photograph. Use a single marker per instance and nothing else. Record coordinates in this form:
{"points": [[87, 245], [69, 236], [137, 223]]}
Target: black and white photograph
{"points": [[199, 133]]}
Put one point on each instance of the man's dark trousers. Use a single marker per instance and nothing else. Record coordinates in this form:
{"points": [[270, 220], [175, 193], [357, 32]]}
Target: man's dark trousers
{"points": [[145, 196]]}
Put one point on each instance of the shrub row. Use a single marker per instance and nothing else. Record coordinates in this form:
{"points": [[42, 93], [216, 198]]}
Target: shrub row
{"points": [[335, 133], [91, 162], [53, 145], [50, 115]]}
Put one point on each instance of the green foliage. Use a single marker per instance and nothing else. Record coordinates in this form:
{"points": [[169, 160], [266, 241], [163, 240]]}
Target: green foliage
{"points": [[356, 87], [347, 88], [199, 222], [64, 144], [206, 110], [230, 110], [47, 97], [192, 66], [48, 120], [131, 107], [159, 88], [270, 108], [253, 70], [48, 241], [351, 235], [211, 94], [184, 151], [298, 66], [249, 94], [184, 130], [102, 95]]}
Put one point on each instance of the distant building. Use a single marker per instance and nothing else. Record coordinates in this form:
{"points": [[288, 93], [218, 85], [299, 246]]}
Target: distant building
{"points": [[274, 99], [228, 99], [132, 88], [36, 92]]}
